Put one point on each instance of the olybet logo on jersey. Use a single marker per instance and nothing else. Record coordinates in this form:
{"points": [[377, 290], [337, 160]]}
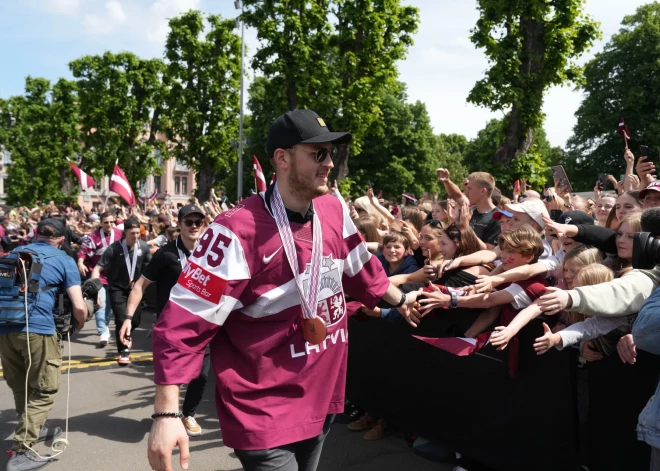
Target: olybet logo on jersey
{"points": [[202, 282]]}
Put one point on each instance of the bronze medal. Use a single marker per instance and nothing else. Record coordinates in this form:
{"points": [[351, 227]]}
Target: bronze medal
{"points": [[314, 330]]}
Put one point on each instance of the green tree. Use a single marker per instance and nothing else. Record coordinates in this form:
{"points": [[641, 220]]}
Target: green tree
{"points": [[533, 166], [121, 108], [40, 129], [531, 46], [622, 80], [203, 76], [336, 57], [400, 153]]}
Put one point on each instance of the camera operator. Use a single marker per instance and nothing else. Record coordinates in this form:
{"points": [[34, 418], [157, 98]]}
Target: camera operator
{"points": [[45, 350]]}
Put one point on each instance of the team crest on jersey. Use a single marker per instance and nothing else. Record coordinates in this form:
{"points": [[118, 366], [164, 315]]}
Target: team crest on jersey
{"points": [[331, 304]]}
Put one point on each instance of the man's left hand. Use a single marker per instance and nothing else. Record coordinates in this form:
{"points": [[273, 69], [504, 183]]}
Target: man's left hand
{"points": [[409, 309]]}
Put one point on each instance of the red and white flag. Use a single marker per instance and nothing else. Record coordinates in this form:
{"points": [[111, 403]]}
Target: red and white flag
{"points": [[85, 180], [150, 198], [120, 185], [622, 129], [273, 179], [258, 175], [459, 346]]}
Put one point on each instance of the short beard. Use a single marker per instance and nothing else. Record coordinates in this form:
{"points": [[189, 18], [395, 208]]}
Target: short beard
{"points": [[300, 188]]}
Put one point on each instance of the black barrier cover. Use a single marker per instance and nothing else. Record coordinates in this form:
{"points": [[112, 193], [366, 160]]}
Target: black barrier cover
{"points": [[617, 394], [471, 403]]}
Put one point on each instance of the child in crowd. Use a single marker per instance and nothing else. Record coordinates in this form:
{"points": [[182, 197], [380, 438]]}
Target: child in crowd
{"points": [[396, 258], [577, 258], [517, 248], [530, 212], [588, 329]]}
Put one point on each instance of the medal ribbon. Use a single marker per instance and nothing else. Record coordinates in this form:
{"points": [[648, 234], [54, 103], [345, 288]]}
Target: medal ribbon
{"points": [[130, 266], [182, 256], [310, 303], [103, 241]]}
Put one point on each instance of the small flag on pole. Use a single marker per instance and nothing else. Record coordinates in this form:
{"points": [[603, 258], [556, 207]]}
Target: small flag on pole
{"points": [[150, 198], [258, 175], [120, 185], [622, 129], [85, 180], [459, 346]]}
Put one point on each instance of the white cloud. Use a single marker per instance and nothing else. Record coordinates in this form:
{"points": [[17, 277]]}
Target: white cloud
{"points": [[64, 7], [112, 18], [115, 11], [159, 14]]}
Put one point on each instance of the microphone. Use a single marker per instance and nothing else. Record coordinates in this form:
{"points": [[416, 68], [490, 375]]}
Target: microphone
{"points": [[651, 221]]}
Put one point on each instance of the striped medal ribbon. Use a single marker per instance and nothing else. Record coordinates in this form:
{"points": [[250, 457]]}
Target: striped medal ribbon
{"points": [[314, 328]]}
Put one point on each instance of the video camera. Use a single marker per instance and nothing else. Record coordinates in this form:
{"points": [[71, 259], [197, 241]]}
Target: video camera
{"points": [[65, 321], [646, 245]]}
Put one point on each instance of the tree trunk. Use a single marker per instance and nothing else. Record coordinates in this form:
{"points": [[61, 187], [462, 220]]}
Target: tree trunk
{"points": [[66, 184], [519, 135], [205, 179]]}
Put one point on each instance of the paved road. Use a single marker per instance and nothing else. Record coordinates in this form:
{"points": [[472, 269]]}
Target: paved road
{"points": [[109, 423]]}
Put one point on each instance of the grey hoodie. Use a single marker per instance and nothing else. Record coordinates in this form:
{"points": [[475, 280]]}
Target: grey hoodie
{"points": [[619, 297]]}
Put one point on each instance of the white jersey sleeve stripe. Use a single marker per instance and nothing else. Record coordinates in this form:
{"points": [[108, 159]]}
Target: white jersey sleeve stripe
{"points": [[356, 259]]}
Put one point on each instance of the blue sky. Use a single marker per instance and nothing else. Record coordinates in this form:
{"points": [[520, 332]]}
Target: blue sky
{"points": [[40, 37]]}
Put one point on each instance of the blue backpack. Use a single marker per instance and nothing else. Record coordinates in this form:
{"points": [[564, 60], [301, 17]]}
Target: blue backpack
{"points": [[14, 285]]}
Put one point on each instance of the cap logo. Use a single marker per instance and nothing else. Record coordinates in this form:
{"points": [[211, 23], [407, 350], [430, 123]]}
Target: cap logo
{"points": [[568, 220], [321, 122]]}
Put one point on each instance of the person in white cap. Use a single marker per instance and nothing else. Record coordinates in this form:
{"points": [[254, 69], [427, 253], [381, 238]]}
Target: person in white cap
{"points": [[650, 195], [530, 212]]}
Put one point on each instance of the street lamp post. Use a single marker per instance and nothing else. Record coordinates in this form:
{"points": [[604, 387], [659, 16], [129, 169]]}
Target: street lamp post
{"points": [[239, 6]]}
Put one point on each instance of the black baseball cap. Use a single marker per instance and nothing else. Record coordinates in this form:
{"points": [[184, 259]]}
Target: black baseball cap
{"points": [[575, 218], [301, 127], [189, 209], [131, 223], [57, 227]]}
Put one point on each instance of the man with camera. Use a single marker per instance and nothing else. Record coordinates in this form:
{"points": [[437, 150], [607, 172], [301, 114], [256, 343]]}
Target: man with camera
{"points": [[33, 349]]}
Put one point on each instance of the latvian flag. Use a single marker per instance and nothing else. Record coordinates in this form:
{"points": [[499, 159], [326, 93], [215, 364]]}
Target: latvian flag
{"points": [[120, 185], [622, 129], [258, 175], [459, 346], [85, 180]]}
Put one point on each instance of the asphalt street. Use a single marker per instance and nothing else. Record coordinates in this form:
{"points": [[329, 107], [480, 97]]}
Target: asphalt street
{"points": [[109, 421]]}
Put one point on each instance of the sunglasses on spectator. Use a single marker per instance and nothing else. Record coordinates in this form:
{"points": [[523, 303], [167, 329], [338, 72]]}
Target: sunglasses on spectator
{"points": [[548, 197], [191, 222], [360, 210], [322, 154]]}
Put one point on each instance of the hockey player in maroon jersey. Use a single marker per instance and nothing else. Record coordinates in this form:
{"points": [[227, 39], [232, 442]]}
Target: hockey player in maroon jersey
{"points": [[265, 288]]}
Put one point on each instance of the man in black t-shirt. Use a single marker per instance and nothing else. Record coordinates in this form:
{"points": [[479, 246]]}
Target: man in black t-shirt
{"points": [[124, 262], [164, 269], [478, 191]]}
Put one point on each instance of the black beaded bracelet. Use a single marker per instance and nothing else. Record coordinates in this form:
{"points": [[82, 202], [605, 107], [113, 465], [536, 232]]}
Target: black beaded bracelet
{"points": [[173, 415]]}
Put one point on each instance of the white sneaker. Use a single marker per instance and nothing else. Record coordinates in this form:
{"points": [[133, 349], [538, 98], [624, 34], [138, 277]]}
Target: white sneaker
{"points": [[192, 427], [105, 337]]}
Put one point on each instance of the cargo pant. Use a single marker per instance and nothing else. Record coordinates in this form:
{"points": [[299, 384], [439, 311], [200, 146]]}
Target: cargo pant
{"points": [[43, 380]]}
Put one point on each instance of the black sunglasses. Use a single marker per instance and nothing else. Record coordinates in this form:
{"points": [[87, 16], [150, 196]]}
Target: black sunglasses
{"points": [[323, 153], [548, 197], [196, 222]]}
